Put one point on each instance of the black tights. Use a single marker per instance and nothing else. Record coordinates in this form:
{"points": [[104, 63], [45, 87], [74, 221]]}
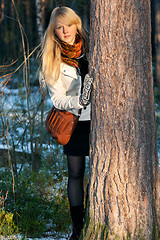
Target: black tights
{"points": [[76, 168]]}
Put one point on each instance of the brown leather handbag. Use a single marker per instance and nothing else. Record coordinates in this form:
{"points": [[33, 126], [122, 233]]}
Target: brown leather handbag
{"points": [[60, 124]]}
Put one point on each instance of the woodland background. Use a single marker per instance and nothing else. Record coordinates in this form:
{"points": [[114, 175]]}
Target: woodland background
{"points": [[33, 170]]}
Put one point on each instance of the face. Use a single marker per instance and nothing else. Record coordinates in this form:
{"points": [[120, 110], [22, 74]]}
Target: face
{"points": [[66, 33]]}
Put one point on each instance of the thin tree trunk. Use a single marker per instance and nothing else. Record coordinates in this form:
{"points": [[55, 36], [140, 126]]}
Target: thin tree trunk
{"points": [[29, 23], [123, 192], [13, 25], [40, 7], [2, 11]]}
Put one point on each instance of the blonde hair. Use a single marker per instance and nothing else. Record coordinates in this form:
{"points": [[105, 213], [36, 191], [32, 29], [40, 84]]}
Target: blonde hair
{"points": [[50, 52]]}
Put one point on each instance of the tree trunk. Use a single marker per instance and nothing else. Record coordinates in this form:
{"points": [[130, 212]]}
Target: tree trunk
{"points": [[29, 23], [40, 9], [157, 39], [123, 191], [2, 11]]}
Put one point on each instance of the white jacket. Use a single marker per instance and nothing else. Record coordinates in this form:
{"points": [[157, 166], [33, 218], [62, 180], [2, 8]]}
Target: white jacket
{"points": [[66, 91]]}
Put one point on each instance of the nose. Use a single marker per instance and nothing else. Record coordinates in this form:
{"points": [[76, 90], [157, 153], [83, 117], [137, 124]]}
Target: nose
{"points": [[65, 30]]}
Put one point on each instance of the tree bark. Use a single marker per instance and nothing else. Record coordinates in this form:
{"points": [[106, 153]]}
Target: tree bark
{"points": [[123, 191], [40, 9], [157, 39]]}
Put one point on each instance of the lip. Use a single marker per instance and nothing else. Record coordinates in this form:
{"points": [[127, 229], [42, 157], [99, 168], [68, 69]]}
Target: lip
{"points": [[67, 36]]}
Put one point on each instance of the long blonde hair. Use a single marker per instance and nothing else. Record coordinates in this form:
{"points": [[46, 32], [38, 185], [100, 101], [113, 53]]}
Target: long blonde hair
{"points": [[50, 53]]}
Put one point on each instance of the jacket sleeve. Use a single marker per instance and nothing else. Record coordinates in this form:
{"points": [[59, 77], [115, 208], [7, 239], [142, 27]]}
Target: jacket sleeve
{"points": [[60, 99]]}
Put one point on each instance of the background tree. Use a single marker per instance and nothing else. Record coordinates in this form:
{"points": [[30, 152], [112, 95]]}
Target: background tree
{"points": [[40, 8], [123, 192]]}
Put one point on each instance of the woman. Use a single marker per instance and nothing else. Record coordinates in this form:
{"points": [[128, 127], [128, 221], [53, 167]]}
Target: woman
{"points": [[64, 68]]}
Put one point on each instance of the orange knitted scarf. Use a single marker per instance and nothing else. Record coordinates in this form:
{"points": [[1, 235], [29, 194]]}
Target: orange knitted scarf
{"points": [[69, 53]]}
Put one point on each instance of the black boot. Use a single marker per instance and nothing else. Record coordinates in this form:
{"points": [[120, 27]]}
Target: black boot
{"points": [[77, 214]]}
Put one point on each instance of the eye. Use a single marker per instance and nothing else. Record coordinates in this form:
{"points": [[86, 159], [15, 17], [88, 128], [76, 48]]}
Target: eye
{"points": [[69, 25], [58, 27]]}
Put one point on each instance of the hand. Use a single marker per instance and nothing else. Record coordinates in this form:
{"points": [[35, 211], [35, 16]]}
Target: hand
{"points": [[84, 99]]}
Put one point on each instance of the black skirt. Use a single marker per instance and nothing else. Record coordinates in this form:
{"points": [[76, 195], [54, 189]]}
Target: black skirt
{"points": [[79, 142]]}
